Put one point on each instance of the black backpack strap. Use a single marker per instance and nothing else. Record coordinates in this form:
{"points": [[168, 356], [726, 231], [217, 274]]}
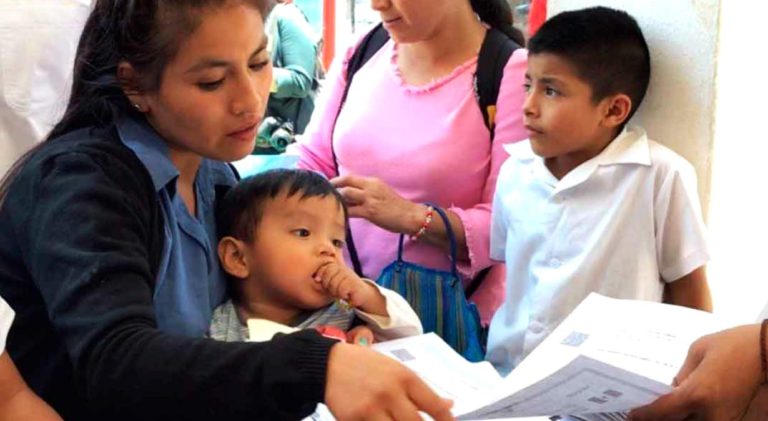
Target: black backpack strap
{"points": [[371, 43], [494, 54]]}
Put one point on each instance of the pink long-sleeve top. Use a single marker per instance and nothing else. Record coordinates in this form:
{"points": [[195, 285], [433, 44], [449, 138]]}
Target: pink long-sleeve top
{"points": [[429, 143]]}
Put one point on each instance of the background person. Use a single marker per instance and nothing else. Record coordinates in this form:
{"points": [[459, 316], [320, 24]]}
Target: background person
{"points": [[293, 48], [38, 39]]}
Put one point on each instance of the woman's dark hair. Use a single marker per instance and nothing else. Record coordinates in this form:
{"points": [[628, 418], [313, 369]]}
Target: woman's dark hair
{"points": [[144, 33], [498, 15]]}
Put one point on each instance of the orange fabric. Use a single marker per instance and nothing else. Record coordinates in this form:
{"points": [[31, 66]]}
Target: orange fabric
{"points": [[536, 16]]}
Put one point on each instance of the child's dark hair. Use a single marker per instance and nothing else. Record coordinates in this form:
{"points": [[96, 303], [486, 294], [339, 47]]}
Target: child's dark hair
{"points": [[241, 209], [606, 48]]}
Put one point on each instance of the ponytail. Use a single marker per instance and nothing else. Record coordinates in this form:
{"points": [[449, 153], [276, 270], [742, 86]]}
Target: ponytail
{"points": [[498, 15], [97, 98]]}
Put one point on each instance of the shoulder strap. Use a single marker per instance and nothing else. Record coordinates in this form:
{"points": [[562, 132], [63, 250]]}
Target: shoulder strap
{"points": [[371, 43], [494, 54]]}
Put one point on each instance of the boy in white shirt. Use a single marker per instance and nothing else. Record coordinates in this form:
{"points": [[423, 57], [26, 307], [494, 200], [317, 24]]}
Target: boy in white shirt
{"points": [[587, 204]]}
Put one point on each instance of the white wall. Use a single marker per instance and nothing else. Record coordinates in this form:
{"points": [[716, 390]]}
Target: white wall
{"points": [[738, 209]]}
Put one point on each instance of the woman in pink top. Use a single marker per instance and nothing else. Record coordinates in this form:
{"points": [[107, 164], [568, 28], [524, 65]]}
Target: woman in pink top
{"points": [[411, 132]]}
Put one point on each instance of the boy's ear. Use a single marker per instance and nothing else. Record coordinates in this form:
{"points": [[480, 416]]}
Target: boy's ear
{"points": [[618, 108], [129, 83], [233, 257]]}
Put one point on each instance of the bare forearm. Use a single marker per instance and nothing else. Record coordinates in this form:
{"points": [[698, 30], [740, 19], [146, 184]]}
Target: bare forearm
{"points": [[25, 405], [17, 401], [691, 291], [758, 409]]}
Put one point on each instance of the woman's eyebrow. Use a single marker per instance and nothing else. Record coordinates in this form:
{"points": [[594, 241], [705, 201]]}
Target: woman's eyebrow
{"points": [[207, 63]]}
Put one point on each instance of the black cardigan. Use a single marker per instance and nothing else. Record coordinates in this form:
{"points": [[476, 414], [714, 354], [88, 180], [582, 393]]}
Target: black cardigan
{"points": [[81, 234]]}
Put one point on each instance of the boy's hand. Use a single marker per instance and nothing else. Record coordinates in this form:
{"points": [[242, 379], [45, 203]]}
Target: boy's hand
{"points": [[343, 283]]}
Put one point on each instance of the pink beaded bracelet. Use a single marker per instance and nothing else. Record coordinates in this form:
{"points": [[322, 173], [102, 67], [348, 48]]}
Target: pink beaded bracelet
{"points": [[427, 220]]}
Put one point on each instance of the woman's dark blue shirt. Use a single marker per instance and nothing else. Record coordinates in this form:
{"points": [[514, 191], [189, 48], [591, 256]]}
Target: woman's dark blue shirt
{"points": [[82, 249], [190, 283]]}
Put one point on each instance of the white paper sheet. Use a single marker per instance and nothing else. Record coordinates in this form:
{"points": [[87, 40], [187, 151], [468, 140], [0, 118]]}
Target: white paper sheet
{"points": [[606, 347], [445, 371], [607, 357], [584, 386]]}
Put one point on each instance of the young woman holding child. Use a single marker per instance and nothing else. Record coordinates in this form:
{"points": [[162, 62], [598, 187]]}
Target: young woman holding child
{"points": [[108, 241]]}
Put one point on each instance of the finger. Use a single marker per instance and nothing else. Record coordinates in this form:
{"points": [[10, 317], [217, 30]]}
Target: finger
{"points": [[671, 407], [345, 290], [353, 196], [378, 416], [334, 283], [360, 335], [692, 360], [320, 274], [352, 288], [428, 401], [349, 180], [405, 410], [327, 276]]}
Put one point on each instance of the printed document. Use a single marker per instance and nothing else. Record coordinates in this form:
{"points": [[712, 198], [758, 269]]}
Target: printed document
{"points": [[607, 357]]}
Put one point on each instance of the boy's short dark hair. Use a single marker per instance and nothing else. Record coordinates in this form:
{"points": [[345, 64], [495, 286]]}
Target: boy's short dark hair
{"points": [[606, 48], [242, 207]]}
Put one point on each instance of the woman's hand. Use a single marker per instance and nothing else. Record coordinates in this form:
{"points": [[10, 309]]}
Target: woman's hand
{"points": [[717, 381], [365, 385], [372, 199]]}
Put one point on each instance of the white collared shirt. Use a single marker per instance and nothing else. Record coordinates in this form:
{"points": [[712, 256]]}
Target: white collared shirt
{"points": [[620, 224], [38, 39], [6, 319]]}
